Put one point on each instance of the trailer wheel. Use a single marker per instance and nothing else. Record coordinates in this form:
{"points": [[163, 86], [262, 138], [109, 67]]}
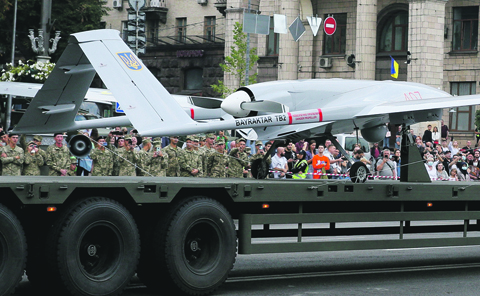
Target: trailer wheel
{"points": [[13, 251], [199, 247], [358, 172], [98, 248]]}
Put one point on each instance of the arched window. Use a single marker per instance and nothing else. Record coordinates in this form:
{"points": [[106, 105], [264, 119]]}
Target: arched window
{"points": [[394, 34]]}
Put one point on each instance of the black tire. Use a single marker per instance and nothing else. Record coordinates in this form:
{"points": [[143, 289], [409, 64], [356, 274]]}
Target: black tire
{"points": [[98, 248], [198, 249], [13, 251], [259, 168], [358, 172]]}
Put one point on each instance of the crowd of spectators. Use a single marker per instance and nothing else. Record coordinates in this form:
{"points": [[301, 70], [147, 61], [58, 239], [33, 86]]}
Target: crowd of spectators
{"points": [[124, 153]]}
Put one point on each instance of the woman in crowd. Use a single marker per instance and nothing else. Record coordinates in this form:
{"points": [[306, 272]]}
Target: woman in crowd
{"points": [[453, 147], [435, 136], [310, 152], [441, 173]]}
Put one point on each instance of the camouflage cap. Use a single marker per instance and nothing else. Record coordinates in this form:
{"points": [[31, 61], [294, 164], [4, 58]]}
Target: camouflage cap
{"points": [[220, 142], [189, 137], [37, 138], [196, 139], [241, 140], [210, 136], [157, 139], [31, 143], [157, 143], [73, 160], [128, 137], [248, 149], [146, 140], [258, 143]]}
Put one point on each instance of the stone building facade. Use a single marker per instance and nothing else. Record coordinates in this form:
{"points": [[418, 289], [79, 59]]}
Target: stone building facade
{"points": [[438, 37], [435, 42], [185, 42]]}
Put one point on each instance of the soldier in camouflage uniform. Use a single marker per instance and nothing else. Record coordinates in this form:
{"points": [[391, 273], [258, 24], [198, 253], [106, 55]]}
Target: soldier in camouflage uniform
{"points": [[58, 157], [207, 150], [190, 162], [243, 156], [120, 147], [217, 162], [72, 170], [102, 159], [127, 159], [235, 164], [12, 157], [33, 160], [159, 162], [174, 153], [144, 157], [38, 141], [261, 153]]}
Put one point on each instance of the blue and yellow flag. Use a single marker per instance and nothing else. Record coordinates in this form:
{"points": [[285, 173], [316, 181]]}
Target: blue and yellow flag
{"points": [[394, 68]]}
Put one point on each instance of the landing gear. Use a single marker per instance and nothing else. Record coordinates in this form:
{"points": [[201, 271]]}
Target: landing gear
{"points": [[358, 172]]}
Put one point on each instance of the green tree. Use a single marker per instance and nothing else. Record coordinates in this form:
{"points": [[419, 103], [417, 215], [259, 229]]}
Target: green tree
{"points": [[236, 63], [68, 16]]}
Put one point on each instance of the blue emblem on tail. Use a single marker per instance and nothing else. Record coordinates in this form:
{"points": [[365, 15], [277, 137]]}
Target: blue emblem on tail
{"points": [[130, 61]]}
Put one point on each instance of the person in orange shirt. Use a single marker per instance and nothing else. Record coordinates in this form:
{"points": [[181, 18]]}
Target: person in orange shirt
{"points": [[320, 164]]}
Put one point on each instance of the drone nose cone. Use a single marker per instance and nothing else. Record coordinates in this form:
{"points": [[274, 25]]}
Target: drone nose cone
{"points": [[233, 104]]}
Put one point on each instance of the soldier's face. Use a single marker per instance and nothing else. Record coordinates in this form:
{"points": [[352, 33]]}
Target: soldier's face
{"points": [[241, 146], [174, 140], [101, 142], [14, 140], [210, 141], [5, 139], [121, 142], [59, 139], [189, 144], [38, 143], [220, 147]]}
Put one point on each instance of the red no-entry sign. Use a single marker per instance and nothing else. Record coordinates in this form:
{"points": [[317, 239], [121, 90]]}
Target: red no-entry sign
{"points": [[330, 25]]}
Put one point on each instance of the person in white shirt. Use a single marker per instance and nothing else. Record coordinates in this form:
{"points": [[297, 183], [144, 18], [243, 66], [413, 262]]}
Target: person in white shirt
{"points": [[279, 164]]}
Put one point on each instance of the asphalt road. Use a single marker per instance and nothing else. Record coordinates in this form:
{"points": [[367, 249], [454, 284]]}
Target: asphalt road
{"points": [[426, 271]]}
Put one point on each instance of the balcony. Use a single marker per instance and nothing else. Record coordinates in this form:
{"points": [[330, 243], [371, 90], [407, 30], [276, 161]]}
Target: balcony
{"points": [[221, 5], [156, 10], [187, 41]]}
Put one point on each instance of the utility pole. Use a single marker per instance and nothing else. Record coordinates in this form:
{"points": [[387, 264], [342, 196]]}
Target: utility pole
{"points": [[247, 59], [8, 114]]}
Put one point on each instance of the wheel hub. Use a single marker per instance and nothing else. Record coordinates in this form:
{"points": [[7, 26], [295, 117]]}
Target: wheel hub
{"points": [[92, 250], [194, 246]]}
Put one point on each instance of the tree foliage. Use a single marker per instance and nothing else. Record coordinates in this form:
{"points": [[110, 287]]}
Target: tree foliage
{"points": [[236, 63], [68, 16]]}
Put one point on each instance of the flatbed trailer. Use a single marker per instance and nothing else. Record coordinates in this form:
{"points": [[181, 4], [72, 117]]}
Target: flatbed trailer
{"points": [[90, 235]]}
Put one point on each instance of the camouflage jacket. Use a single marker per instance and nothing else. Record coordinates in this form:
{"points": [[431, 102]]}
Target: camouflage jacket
{"points": [[158, 165], [102, 162], [173, 168], [127, 162], [216, 165], [57, 159], [235, 165], [205, 152], [144, 160], [189, 161], [32, 164], [11, 165]]}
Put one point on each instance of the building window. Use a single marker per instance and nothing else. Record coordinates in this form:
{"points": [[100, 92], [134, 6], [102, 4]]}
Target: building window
{"points": [[193, 79], [463, 119], [336, 43], [181, 29], [394, 36], [209, 32], [272, 41], [465, 28]]}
